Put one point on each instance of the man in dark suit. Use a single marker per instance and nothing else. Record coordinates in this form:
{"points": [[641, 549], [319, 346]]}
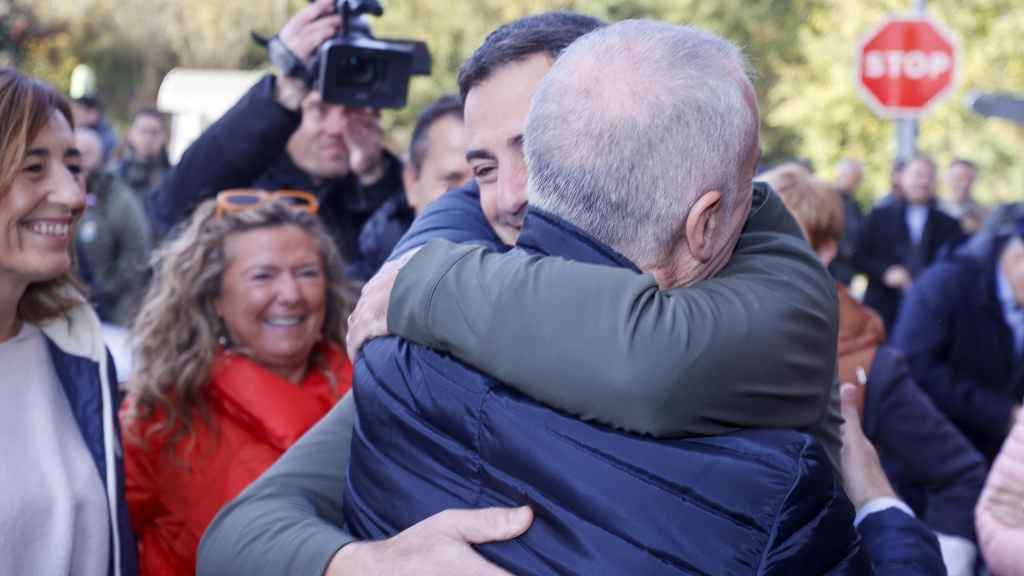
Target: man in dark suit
{"points": [[962, 330], [899, 240]]}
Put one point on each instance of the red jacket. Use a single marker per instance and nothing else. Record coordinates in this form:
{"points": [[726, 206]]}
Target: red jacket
{"points": [[255, 416]]}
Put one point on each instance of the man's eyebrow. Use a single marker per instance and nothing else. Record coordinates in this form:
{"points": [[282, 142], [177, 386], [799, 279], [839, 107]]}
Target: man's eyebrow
{"points": [[516, 141], [479, 154]]}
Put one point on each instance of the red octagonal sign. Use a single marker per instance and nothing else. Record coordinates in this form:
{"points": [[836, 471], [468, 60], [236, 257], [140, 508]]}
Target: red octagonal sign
{"points": [[906, 65]]}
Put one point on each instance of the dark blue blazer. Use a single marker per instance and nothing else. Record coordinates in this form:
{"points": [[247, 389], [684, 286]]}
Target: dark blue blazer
{"points": [[432, 434], [960, 349], [900, 545], [884, 241], [930, 463]]}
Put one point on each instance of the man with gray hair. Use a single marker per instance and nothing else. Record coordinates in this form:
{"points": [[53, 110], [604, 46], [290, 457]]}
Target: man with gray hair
{"points": [[641, 145]]}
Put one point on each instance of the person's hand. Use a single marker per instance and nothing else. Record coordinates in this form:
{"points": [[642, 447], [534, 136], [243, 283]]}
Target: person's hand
{"points": [[370, 318], [365, 140], [863, 476], [897, 277], [309, 28], [303, 34], [437, 546]]}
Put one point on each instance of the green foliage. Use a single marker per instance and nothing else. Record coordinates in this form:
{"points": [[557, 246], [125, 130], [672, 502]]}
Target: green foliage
{"points": [[817, 98], [802, 52]]}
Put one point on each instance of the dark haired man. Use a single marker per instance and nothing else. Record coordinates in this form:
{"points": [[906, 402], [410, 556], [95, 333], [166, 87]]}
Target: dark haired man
{"points": [[88, 113], [282, 135], [145, 160], [436, 163]]}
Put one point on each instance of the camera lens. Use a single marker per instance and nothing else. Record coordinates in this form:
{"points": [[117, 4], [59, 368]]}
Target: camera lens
{"points": [[358, 70]]}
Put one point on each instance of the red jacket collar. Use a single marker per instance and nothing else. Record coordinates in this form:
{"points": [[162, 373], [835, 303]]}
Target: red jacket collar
{"points": [[272, 406]]}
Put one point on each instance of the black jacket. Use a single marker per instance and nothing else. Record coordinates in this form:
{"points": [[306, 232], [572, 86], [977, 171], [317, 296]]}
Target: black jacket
{"points": [[885, 241], [960, 349], [246, 148]]}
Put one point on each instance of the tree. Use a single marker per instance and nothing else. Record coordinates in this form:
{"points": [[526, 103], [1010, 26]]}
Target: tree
{"points": [[817, 96]]}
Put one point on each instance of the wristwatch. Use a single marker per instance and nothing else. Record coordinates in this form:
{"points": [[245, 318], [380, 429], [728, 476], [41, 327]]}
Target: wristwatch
{"points": [[286, 61]]}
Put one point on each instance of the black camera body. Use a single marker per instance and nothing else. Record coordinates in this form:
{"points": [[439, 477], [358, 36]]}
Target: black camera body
{"points": [[356, 69]]}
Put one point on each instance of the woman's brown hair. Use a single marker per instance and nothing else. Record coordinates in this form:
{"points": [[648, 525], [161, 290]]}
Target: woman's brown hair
{"points": [[26, 107]]}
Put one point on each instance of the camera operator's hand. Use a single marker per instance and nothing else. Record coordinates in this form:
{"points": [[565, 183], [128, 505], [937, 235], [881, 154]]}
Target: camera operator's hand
{"points": [[365, 140], [302, 34], [309, 28]]}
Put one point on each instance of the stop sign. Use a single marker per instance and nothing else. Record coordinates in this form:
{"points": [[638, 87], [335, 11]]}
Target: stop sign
{"points": [[906, 65]]}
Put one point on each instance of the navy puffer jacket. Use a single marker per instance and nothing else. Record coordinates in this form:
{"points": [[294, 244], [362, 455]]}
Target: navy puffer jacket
{"points": [[605, 502], [432, 434]]}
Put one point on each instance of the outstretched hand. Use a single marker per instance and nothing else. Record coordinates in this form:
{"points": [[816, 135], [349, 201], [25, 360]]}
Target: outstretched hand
{"points": [[438, 546], [863, 476], [370, 318]]}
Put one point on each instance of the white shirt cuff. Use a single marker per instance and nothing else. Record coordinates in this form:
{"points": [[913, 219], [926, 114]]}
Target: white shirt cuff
{"points": [[878, 505]]}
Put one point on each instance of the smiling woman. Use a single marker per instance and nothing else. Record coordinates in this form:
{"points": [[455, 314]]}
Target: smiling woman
{"points": [[61, 506], [238, 351]]}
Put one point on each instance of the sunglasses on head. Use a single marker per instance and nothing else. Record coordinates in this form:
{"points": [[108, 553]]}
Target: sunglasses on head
{"points": [[242, 199]]}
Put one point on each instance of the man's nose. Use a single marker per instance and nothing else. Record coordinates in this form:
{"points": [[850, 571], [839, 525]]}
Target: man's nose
{"points": [[512, 190], [335, 121]]}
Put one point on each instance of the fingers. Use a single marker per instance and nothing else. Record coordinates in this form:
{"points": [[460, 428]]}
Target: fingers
{"points": [[312, 12], [484, 525], [848, 395]]}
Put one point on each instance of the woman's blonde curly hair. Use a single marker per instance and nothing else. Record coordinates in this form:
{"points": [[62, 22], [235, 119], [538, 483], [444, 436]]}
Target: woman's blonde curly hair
{"points": [[175, 335]]}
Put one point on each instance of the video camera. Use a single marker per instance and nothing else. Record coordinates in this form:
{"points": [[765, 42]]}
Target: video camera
{"points": [[356, 69]]}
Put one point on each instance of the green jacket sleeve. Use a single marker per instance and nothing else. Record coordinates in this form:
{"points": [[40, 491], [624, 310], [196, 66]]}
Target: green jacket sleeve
{"points": [[290, 520], [133, 241], [755, 346]]}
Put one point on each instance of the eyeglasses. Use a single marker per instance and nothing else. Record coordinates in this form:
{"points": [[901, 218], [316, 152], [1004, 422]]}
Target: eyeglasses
{"points": [[242, 199]]}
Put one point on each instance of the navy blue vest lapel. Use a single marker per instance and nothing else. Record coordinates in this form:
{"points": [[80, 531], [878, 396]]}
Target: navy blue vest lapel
{"points": [[548, 234]]}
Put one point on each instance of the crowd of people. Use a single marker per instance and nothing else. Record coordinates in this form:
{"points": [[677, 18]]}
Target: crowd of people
{"points": [[576, 328]]}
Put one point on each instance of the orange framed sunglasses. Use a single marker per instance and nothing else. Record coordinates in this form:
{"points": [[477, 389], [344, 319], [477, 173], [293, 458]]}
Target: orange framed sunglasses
{"points": [[242, 199]]}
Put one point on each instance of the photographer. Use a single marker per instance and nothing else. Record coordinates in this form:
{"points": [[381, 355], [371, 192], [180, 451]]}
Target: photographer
{"points": [[282, 135]]}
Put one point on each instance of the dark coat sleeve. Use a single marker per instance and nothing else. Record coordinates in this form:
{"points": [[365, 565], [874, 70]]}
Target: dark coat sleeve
{"points": [[930, 463], [231, 153], [871, 255], [456, 217], [923, 334], [900, 544], [290, 520]]}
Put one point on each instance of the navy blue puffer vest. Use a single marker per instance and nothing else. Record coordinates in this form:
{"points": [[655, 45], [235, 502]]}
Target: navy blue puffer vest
{"points": [[432, 434]]}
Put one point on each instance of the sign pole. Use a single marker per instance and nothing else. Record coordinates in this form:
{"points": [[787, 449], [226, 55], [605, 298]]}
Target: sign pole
{"points": [[906, 128]]}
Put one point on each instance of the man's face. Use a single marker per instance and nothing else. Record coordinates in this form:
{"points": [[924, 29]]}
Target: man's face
{"points": [[91, 150], [147, 137], [85, 116], [918, 181], [318, 147], [849, 178], [443, 166], [961, 180], [495, 112], [1012, 262]]}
